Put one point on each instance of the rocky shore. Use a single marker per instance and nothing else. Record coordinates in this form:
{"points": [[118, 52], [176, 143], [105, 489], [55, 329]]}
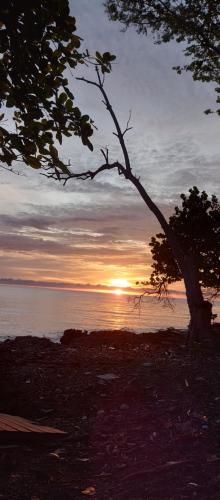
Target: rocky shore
{"points": [[141, 415]]}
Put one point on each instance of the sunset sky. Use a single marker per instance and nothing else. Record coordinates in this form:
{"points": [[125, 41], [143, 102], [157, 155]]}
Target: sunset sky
{"points": [[95, 231]]}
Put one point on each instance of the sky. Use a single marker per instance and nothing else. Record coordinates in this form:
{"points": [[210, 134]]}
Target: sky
{"points": [[91, 232]]}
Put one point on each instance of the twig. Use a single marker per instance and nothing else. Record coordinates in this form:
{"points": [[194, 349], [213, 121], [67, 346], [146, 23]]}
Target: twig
{"points": [[105, 154], [127, 128], [153, 469], [12, 171]]}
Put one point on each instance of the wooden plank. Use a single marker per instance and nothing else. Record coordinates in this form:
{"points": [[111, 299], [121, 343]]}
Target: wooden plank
{"points": [[13, 423], [5, 427], [18, 423], [32, 427], [7, 422]]}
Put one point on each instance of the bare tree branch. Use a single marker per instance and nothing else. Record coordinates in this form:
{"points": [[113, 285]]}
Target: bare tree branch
{"points": [[105, 154], [90, 82], [127, 128], [12, 171], [159, 291], [119, 134], [88, 174]]}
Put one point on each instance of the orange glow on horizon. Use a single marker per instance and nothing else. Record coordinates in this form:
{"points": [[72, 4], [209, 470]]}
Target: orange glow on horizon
{"points": [[120, 282]]}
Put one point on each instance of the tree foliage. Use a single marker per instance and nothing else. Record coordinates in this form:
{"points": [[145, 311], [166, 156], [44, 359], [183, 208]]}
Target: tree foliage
{"points": [[37, 44], [194, 22], [197, 226]]}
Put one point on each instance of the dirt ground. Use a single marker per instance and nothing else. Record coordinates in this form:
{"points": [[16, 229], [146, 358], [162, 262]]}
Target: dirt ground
{"points": [[141, 415]]}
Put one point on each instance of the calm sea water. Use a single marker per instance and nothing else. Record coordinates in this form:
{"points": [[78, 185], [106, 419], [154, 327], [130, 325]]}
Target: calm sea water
{"points": [[48, 312]]}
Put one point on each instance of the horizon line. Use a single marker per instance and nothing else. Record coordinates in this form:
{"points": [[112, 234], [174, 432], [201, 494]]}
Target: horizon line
{"points": [[77, 286]]}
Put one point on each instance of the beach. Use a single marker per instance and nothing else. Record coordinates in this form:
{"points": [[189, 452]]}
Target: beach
{"points": [[140, 413]]}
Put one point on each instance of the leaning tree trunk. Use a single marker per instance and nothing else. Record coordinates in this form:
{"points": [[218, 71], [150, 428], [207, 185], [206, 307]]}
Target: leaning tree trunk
{"points": [[200, 309]]}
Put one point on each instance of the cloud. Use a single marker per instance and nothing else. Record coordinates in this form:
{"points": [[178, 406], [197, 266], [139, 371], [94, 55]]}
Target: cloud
{"points": [[98, 230]]}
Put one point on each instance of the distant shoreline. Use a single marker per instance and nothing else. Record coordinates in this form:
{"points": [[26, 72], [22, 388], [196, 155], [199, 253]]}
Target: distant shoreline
{"points": [[79, 287], [69, 289]]}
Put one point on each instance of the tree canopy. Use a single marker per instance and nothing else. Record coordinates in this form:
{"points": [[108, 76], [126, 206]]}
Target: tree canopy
{"points": [[197, 226], [38, 44], [194, 22]]}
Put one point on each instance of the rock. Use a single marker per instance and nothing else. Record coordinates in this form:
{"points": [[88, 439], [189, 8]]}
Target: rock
{"points": [[29, 343], [71, 335], [113, 338]]}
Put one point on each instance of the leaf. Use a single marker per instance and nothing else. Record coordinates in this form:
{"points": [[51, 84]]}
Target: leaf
{"points": [[77, 112], [62, 98], [55, 455], [85, 118], [76, 40], [53, 151], [90, 146], [64, 169], [10, 102], [70, 95], [89, 491], [69, 105], [59, 136], [106, 55], [33, 162], [98, 55]]}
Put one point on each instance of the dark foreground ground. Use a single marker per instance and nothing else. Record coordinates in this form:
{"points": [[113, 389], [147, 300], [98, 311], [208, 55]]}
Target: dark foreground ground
{"points": [[149, 429]]}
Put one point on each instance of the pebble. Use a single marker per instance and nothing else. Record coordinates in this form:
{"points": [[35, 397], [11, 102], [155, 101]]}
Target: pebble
{"points": [[124, 407]]}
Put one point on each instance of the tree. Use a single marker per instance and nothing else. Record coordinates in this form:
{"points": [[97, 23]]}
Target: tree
{"points": [[37, 43], [200, 309], [194, 22], [197, 227]]}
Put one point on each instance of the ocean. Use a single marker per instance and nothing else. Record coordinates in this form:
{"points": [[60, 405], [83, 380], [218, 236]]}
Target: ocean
{"points": [[48, 312]]}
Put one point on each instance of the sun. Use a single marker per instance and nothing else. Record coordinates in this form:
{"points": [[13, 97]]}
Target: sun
{"points": [[120, 283]]}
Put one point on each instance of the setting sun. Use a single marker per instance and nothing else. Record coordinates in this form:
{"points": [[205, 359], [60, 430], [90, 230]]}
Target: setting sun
{"points": [[120, 282]]}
